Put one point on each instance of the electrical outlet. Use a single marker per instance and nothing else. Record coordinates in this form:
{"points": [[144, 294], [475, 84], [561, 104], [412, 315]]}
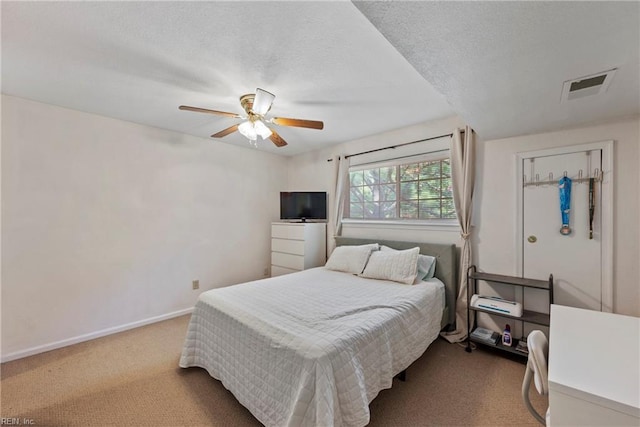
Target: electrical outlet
{"points": [[195, 284], [265, 273]]}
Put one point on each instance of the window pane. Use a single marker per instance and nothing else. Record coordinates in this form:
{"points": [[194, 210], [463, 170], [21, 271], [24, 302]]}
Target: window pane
{"points": [[409, 190], [356, 210], [446, 168], [388, 210], [388, 192], [388, 174], [448, 209], [371, 210], [372, 176], [377, 192], [356, 178], [430, 189], [447, 188], [409, 210], [356, 194], [430, 170], [409, 172], [430, 209], [368, 193]]}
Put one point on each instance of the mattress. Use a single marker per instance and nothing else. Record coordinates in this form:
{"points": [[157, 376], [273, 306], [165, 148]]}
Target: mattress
{"points": [[314, 347]]}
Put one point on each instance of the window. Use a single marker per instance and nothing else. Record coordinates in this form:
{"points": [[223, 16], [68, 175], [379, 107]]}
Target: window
{"points": [[420, 190]]}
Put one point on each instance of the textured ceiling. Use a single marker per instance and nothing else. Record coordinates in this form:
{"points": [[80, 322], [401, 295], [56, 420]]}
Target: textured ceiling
{"points": [[138, 61], [501, 65], [362, 69]]}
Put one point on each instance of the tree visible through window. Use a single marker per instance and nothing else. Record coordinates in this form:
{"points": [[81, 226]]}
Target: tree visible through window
{"points": [[420, 190]]}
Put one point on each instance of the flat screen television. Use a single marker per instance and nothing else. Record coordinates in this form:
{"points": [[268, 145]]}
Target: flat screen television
{"points": [[303, 206]]}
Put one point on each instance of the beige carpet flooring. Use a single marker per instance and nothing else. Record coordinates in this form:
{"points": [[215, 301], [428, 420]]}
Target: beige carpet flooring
{"points": [[133, 379]]}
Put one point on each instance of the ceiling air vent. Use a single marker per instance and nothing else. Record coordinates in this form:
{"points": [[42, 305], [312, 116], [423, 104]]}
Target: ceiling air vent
{"points": [[594, 84]]}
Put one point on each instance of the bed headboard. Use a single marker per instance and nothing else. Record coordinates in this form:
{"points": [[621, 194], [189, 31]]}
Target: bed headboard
{"points": [[446, 266]]}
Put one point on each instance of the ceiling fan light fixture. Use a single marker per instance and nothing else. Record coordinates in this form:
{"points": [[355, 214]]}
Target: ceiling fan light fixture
{"points": [[251, 130], [261, 129], [248, 130], [262, 101]]}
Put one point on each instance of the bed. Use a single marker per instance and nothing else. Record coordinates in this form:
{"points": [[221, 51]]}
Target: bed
{"points": [[316, 347]]}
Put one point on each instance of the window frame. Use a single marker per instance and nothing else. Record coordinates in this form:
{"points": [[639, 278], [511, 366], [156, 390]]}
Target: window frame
{"points": [[398, 221]]}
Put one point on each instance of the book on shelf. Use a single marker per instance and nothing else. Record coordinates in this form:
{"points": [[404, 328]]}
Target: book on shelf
{"points": [[485, 335]]}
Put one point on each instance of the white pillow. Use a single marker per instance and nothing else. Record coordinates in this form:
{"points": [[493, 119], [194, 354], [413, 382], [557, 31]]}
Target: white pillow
{"points": [[426, 265], [350, 259], [398, 266]]}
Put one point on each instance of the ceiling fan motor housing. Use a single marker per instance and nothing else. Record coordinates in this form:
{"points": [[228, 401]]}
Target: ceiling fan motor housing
{"points": [[246, 101]]}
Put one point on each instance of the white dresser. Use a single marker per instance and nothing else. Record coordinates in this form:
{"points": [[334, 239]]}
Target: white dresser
{"points": [[297, 246]]}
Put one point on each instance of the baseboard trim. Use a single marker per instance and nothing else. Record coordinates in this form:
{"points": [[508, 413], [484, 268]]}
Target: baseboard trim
{"points": [[87, 337]]}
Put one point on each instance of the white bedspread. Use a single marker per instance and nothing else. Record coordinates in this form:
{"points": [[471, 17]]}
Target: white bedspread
{"points": [[314, 347]]}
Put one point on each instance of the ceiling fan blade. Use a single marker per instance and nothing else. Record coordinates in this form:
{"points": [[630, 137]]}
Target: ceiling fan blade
{"points": [[204, 110], [262, 102], [311, 124], [225, 132], [277, 139]]}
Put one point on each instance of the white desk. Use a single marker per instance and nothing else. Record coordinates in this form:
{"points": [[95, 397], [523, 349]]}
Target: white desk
{"points": [[594, 368]]}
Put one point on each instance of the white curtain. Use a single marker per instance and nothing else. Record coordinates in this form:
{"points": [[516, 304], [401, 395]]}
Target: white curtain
{"points": [[463, 179], [341, 168]]}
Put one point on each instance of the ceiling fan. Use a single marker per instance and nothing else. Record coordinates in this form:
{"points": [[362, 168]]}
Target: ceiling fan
{"points": [[257, 105]]}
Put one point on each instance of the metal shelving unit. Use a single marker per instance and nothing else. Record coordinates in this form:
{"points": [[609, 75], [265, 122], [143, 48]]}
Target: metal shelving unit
{"points": [[528, 316]]}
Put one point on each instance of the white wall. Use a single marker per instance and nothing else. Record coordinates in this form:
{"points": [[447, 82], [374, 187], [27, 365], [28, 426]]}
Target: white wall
{"points": [[494, 217], [105, 223]]}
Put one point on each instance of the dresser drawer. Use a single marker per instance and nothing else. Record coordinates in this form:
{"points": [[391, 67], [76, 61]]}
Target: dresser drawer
{"points": [[280, 259], [287, 231], [295, 247]]}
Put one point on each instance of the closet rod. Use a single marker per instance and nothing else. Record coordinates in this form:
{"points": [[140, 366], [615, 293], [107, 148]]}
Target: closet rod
{"points": [[395, 146]]}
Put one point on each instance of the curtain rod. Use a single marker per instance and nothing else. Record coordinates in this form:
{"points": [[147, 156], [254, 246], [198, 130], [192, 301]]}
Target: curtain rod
{"points": [[395, 146]]}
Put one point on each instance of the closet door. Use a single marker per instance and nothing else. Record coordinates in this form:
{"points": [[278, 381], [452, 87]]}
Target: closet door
{"points": [[575, 260]]}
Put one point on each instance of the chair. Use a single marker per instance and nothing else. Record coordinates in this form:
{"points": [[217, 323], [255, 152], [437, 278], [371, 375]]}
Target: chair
{"points": [[536, 368]]}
